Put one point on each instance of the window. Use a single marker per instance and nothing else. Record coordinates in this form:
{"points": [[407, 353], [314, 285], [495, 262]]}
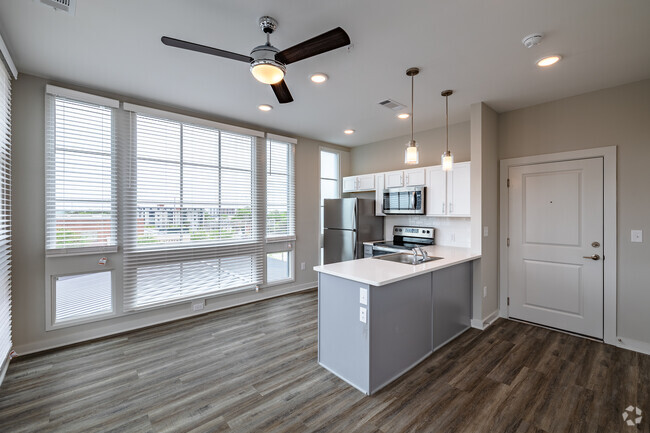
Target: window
{"points": [[5, 213], [329, 183], [280, 207], [278, 266], [81, 210], [192, 213], [82, 296]]}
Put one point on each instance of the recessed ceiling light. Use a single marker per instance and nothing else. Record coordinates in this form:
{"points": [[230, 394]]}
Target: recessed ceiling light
{"points": [[319, 78], [265, 107], [548, 61], [403, 115], [348, 131]]}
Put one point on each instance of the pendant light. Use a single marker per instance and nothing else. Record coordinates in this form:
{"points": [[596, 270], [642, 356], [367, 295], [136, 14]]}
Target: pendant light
{"points": [[411, 153], [447, 158]]}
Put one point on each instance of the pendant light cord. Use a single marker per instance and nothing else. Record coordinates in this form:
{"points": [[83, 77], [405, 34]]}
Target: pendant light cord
{"points": [[447, 120], [412, 110]]}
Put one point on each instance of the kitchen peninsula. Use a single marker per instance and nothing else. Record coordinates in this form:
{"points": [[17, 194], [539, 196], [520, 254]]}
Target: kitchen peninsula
{"points": [[377, 319]]}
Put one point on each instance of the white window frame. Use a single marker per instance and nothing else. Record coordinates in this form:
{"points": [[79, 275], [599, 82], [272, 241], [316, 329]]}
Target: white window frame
{"points": [[50, 301], [88, 98], [320, 193]]}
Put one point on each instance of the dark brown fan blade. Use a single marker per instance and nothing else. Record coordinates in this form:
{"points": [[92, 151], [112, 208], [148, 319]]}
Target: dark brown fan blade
{"points": [[282, 92], [204, 49], [328, 41]]}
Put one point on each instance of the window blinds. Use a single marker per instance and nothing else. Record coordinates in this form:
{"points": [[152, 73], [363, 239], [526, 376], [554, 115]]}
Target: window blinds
{"points": [[81, 207], [191, 212], [280, 190], [5, 213]]}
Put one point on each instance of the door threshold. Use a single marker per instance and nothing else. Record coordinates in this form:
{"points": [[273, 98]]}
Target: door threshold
{"points": [[563, 331]]}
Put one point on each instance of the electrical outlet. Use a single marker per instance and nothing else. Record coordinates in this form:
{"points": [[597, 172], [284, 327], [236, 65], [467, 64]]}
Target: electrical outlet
{"points": [[637, 236], [362, 314], [363, 296], [484, 291], [485, 231], [198, 306], [302, 266]]}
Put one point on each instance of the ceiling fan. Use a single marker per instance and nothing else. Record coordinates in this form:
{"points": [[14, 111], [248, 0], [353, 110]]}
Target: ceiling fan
{"points": [[267, 63]]}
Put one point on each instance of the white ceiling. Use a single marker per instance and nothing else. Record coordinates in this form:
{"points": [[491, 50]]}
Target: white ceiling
{"points": [[473, 47]]}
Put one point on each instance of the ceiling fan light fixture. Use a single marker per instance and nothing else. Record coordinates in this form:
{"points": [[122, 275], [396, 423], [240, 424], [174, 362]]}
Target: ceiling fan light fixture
{"points": [[268, 71], [265, 107], [348, 131]]}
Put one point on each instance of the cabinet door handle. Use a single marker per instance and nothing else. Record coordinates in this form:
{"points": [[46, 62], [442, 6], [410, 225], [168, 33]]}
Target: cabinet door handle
{"points": [[451, 208], [443, 208], [407, 179]]}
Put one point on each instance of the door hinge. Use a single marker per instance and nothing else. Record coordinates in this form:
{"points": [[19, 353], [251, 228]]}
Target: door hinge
{"points": [[508, 182], [508, 300], [508, 242]]}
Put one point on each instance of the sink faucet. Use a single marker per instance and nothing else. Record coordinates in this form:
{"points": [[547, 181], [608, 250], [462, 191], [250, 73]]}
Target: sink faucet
{"points": [[422, 253]]}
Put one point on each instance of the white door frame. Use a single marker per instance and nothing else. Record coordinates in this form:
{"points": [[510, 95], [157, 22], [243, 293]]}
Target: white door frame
{"points": [[609, 233]]}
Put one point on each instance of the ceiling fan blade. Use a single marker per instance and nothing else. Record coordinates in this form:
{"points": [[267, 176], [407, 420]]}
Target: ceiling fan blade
{"points": [[204, 49], [328, 41], [282, 92]]}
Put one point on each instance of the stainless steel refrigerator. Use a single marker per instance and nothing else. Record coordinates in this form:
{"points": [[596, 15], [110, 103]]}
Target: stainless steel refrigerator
{"points": [[348, 223]]}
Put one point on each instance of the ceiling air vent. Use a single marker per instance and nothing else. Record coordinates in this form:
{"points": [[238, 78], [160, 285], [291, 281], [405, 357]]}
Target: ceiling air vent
{"points": [[62, 5], [393, 105]]}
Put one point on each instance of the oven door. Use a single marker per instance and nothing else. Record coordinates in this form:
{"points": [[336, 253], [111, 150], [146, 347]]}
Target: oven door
{"points": [[398, 201]]}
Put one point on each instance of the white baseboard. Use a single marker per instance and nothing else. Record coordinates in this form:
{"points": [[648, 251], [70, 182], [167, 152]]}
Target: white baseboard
{"points": [[484, 323], [247, 298], [635, 345]]}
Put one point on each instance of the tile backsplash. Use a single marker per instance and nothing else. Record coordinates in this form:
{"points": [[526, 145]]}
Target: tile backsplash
{"points": [[451, 232]]}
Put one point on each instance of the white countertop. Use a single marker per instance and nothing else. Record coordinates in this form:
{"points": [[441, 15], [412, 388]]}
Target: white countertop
{"points": [[381, 272]]}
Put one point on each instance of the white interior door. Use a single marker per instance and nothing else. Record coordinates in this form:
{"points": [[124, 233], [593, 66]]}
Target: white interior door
{"points": [[555, 258]]}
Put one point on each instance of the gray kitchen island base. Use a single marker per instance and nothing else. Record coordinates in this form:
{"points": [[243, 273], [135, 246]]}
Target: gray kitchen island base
{"points": [[405, 322]]}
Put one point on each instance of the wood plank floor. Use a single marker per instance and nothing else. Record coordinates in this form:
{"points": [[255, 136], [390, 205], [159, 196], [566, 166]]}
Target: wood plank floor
{"points": [[253, 369]]}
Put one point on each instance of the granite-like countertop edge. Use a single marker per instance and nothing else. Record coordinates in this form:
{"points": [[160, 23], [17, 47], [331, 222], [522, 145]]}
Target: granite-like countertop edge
{"points": [[381, 272]]}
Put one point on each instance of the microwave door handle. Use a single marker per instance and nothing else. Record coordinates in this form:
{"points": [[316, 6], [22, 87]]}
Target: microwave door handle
{"points": [[412, 200]]}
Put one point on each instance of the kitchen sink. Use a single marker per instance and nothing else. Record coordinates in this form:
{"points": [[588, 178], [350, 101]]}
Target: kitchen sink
{"points": [[406, 258]]}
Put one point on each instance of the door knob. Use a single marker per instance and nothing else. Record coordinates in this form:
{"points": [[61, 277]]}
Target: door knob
{"points": [[594, 257]]}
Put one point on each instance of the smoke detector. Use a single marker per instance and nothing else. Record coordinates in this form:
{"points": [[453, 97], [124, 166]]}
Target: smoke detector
{"points": [[67, 6], [532, 40]]}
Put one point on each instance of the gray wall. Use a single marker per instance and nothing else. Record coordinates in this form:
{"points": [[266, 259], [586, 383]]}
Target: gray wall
{"points": [[28, 197], [618, 116], [485, 209], [388, 155]]}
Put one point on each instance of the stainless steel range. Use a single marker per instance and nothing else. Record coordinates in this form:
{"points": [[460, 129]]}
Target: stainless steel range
{"points": [[405, 238]]}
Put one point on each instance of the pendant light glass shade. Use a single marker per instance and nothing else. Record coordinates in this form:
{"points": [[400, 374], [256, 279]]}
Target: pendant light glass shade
{"points": [[411, 154], [447, 159]]}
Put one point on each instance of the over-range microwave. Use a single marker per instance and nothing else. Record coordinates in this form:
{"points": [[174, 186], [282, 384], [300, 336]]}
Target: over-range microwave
{"points": [[408, 200]]}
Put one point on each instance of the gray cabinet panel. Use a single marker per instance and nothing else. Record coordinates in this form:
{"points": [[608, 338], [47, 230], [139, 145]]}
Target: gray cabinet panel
{"points": [[452, 302], [342, 337], [400, 328]]}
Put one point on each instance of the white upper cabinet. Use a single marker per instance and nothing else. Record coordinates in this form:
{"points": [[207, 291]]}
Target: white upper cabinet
{"points": [[415, 177], [448, 193], [364, 182], [379, 194], [458, 190], [394, 179], [349, 183], [436, 194]]}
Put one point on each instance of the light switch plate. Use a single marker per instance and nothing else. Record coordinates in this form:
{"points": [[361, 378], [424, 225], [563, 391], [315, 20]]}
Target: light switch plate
{"points": [[637, 235], [485, 231], [363, 296], [362, 314]]}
